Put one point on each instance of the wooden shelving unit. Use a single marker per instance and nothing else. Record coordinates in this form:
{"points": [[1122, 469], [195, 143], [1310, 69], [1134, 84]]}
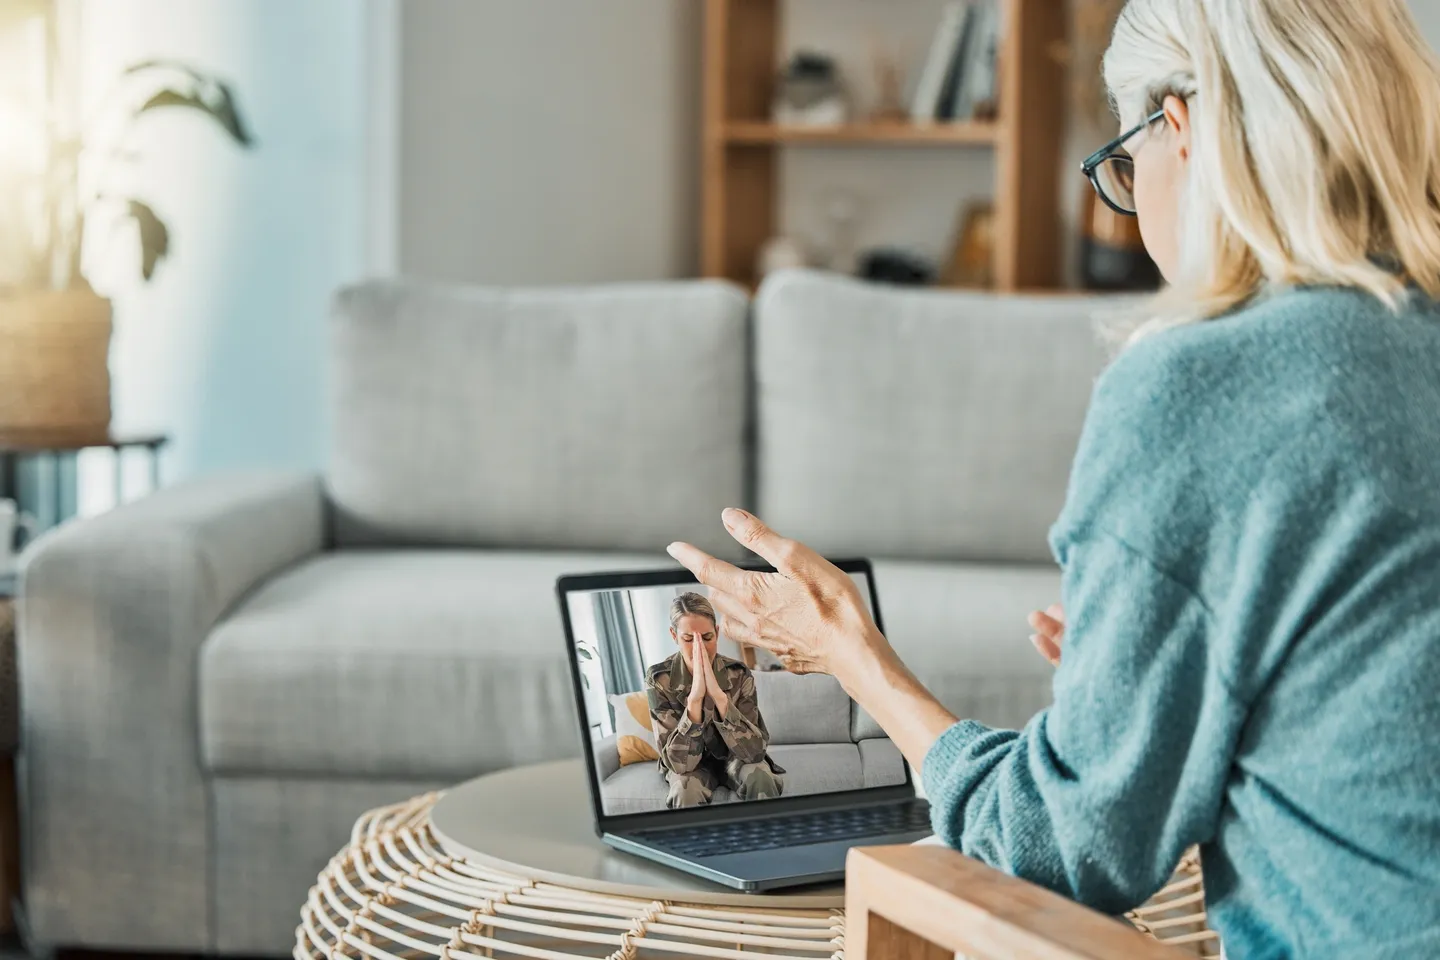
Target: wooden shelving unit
{"points": [[739, 156]]}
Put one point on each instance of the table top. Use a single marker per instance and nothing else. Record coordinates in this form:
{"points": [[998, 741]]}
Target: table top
{"points": [[48, 441], [536, 821]]}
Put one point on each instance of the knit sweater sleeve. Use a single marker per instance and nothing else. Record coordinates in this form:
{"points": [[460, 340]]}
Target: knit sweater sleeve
{"points": [[1099, 795]]}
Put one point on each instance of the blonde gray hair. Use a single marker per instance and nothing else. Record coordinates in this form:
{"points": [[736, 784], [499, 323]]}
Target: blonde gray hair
{"points": [[691, 603], [1316, 144]]}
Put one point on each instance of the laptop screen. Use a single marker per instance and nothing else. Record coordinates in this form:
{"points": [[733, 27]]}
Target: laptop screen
{"points": [[678, 715]]}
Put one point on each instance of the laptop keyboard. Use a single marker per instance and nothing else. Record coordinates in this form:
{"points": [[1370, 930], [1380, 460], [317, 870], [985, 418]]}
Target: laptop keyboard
{"points": [[769, 833]]}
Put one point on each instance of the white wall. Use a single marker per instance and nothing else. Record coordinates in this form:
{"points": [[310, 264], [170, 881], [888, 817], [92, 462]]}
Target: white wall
{"points": [[225, 348], [548, 142], [1427, 12], [555, 142]]}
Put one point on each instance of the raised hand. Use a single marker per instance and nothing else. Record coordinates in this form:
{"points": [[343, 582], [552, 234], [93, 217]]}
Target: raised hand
{"points": [[809, 613], [1049, 635]]}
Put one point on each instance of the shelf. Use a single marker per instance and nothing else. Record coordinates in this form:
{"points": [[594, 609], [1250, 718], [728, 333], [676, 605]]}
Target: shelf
{"points": [[873, 134]]}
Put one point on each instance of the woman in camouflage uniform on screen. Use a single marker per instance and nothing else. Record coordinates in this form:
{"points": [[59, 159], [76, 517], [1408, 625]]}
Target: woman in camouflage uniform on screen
{"points": [[707, 722]]}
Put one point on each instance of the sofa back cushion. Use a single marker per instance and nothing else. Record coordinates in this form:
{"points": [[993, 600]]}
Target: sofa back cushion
{"points": [[608, 417], [803, 709], [919, 424]]}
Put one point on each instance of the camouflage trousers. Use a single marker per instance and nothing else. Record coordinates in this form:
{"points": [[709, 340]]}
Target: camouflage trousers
{"points": [[749, 781]]}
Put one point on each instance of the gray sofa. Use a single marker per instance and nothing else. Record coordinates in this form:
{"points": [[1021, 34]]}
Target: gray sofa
{"points": [[216, 680], [824, 742]]}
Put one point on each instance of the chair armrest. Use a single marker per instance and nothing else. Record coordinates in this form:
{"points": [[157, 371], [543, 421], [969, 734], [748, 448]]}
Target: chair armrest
{"points": [[113, 611], [930, 903], [607, 756]]}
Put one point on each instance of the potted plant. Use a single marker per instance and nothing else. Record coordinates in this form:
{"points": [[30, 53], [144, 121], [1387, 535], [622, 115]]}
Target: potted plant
{"points": [[54, 328]]}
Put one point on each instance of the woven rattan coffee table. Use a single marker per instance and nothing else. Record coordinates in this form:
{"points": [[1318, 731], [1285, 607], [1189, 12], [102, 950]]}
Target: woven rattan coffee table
{"points": [[508, 865]]}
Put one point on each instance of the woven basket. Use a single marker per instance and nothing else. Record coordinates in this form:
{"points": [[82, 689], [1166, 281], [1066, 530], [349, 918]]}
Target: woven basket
{"points": [[54, 362]]}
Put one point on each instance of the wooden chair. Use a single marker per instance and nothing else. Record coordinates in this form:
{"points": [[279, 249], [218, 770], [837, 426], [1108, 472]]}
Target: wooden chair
{"points": [[931, 903]]}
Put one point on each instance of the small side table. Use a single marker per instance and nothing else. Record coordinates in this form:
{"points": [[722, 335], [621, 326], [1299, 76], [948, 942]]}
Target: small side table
{"points": [[16, 446], [508, 866]]}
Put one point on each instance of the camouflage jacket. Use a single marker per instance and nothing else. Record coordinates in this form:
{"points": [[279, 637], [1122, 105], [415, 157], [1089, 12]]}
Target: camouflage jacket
{"points": [[740, 734]]}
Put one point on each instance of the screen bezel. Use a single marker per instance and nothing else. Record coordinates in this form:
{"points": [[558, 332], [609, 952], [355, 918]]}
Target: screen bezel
{"points": [[606, 823]]}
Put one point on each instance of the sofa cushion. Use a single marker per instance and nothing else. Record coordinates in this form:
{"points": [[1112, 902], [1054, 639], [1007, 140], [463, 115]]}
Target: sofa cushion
{"points": [[962, 629], [918, 425], [634, 734], [604, 418], [881, 763], [803, 709], [819, 767], [397, 664]]}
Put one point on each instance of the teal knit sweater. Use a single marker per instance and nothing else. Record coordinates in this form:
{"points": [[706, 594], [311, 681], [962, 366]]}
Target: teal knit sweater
{"points": [[1251, 556]]}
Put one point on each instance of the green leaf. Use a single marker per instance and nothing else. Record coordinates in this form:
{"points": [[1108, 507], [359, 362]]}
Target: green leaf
{"points": [[223, 110], [228, 115], [154, 236], [584, 654]]}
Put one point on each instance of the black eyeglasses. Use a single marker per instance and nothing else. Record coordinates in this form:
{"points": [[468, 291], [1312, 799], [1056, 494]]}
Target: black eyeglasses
{"points": [[1112, 171]]}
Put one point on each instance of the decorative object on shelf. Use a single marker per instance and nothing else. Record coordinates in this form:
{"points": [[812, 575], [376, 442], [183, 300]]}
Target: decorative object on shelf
{"points": [[889, 105], [972, 256], [54, 329], [1112, 254], [810, 92], [781, 253], [900, 267]]}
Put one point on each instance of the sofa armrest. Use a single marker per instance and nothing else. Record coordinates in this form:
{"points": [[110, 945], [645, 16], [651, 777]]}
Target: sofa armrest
{"points": [[113, 611], [607, 756], [930, 903]]}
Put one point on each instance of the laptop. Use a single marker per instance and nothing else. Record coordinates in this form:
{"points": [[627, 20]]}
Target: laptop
{"points": [[811, 774]]}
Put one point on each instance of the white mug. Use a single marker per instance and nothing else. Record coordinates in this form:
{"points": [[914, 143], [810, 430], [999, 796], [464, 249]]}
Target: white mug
{"points": [[12, 521]]}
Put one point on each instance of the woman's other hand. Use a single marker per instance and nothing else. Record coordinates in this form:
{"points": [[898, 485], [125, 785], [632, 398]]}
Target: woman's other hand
{"points": [[809, 613], [699, 687], [1049, 635]]}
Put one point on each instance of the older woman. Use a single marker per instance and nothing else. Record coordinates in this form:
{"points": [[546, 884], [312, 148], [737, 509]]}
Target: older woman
{"points": [[1249, 646], [706, 716]]}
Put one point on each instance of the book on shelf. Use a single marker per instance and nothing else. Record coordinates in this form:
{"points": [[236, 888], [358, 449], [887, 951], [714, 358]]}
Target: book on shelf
{"points": [[958, 81], [924, 108], [955, 69], [980, 86]]}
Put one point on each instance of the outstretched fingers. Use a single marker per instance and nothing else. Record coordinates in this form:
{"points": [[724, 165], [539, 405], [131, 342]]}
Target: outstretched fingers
{"points": [[750, 532], [710, 571]]}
